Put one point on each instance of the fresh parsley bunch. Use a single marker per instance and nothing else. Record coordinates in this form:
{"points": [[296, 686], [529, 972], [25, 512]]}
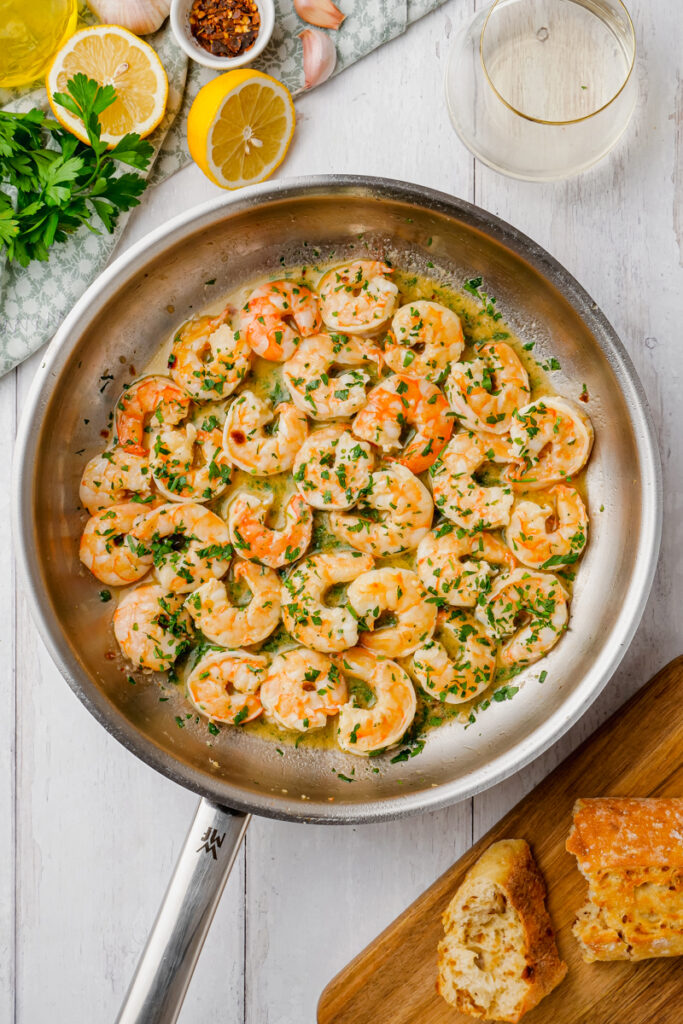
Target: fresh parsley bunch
{"points": [[57, 183]]}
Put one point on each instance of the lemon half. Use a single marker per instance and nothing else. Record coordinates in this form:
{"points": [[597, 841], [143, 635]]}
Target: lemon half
{"points": [[112, 56], [239, 127]]}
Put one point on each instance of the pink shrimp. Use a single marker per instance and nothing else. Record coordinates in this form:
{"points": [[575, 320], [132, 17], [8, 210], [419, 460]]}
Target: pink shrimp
{"points": [[277, 316], [154, 395], [401, 402]]}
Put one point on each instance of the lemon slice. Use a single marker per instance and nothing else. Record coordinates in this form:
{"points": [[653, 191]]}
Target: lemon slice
{"points": [[112, 56], [239, 127]]}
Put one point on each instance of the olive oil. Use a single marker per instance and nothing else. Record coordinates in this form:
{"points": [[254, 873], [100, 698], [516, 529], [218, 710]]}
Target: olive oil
{"points": [[31, 32]]}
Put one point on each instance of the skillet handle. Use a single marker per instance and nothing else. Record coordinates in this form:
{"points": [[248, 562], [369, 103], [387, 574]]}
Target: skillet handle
{"points": [[167, 963]]}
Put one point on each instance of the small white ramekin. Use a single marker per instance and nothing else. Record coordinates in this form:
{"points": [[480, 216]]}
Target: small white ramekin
{"points": [[180, 23]]}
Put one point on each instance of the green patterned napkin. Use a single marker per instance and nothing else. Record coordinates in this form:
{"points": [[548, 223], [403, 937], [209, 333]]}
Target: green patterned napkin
{"points": [[34, 300]]}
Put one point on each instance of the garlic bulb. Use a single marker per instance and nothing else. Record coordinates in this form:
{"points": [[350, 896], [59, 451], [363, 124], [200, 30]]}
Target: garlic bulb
{"points": [[138, 16], [322, 13], [320, 56]]}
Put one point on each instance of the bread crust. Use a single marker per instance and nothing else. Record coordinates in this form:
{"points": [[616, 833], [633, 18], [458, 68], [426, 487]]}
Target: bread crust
{"points": [[509, 865], [630, 850], [627, 832]]}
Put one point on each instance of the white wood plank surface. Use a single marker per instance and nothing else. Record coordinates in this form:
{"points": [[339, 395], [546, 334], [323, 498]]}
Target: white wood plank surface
{"points": [[90, 835], [7, 720]]}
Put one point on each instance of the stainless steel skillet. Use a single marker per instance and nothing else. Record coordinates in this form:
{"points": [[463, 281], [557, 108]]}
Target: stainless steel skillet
{"points": [[118, 325]]}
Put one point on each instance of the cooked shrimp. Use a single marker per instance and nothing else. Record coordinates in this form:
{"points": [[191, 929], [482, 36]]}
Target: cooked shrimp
{"points": [[553, 438], [314, 384], [554, 533], [332, 468], [529, 607], [251, 537], [262, 440], [113, 478], [223, 686], [460, 662], [230, 625], [149, 397], [105, 548], [305, 615], [277, 316], [486, 392], [358, 298], [151, 627], [399, 593], [457, 566], [400, 403], [189, 464], [189, 544], [208, 358], [471, 505], [302, 690], [424, 338], [394, 513], [380, 710]]}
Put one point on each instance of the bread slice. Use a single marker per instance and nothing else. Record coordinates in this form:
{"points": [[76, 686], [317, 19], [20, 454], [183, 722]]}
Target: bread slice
{"points": [[498, 958], [631, 853]]}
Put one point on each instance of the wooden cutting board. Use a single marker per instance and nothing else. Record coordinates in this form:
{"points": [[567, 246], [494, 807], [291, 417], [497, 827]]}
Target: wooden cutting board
{"points": [[637, 752]]}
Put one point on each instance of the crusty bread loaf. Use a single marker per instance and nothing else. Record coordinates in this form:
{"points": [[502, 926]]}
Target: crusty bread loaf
{"points": [[631, 853], [498, 958]]}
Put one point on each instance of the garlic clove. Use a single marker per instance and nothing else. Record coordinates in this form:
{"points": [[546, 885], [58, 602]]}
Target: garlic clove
{"points": [[322, 13], [139, 16], [320, 57]]}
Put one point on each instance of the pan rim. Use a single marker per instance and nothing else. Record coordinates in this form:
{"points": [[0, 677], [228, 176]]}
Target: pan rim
{"points": [[503, 765]]}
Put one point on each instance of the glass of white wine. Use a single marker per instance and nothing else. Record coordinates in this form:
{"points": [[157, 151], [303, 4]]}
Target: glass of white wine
{"points": [[542, 89]]}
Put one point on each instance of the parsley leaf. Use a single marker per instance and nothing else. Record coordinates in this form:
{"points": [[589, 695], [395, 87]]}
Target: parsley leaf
{"points": [[59, 183]]}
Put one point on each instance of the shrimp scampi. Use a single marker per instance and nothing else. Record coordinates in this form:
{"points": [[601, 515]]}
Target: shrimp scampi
{"points": [[108, 550], [358, 298], [277, 316], [232, 625], [459, 495], [425, 337], [113, 478], [149, 402], [251, 537], [223, 686], [266, 509], [151, 627], [403, 404], [208, 358], [550, 534], [189, 545], [459, 662], [394, 513], [305, 615], [302, 690], [486, 392], [457, 566], [553, 439], [189, 464], [529, 611], [260, 439], [381, 708], [333, 468], [394, 609], [315, 383]]}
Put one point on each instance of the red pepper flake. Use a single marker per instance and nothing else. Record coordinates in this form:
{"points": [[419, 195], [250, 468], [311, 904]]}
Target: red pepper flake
{"points": [[225, 28]]}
